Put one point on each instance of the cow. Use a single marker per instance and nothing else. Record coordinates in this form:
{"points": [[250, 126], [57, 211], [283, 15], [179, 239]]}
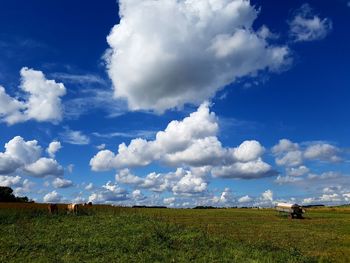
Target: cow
{"points": [[53, 209], [72, 208]]}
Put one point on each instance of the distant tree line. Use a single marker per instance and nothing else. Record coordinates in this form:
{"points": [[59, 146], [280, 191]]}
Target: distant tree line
{"points": [[6, 195], [205, 207], [152, 206]]}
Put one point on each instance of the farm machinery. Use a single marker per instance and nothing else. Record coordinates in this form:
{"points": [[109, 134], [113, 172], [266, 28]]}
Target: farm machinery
{"points": [[293, 210]]}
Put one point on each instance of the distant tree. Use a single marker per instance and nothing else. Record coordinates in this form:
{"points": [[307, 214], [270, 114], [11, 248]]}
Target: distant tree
{"points": [[6, 195]]}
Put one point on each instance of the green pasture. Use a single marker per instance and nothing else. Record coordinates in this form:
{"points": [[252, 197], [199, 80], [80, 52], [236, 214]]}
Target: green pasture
{"points": [[115, 234]]}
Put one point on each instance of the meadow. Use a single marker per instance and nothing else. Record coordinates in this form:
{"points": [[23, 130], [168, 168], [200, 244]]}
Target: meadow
{"points": [[117, 234]]}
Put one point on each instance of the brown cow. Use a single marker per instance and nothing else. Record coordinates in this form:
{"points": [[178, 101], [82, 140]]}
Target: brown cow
{"points": [[53, 209], [72, 208]]}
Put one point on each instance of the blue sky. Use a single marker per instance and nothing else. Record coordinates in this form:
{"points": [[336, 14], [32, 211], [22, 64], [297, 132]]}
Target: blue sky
{"points": [[225, 102]]}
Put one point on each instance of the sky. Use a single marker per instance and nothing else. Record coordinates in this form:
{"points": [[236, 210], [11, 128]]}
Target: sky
{"points": [[177, 103]]}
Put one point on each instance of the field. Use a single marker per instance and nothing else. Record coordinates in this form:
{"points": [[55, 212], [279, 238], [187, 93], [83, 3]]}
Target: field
{"points": [[116, 234]]}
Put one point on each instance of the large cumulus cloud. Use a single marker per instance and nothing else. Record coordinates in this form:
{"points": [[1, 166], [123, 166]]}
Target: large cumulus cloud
{"points": [[164, 54], [191, 142], [25, 156], [42, 102]]}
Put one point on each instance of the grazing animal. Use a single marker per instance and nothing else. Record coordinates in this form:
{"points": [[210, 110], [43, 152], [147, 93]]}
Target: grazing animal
{"points": [[72, 208], [53, 209]]}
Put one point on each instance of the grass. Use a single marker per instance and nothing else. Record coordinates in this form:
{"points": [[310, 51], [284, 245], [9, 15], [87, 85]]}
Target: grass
{"points": [[115, 234]]}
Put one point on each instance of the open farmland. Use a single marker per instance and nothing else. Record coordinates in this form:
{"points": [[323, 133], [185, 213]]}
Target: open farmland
{"points": [[114, 234]]}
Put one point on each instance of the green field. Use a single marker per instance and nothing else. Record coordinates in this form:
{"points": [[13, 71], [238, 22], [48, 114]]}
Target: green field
{"points": [[114, 234]]}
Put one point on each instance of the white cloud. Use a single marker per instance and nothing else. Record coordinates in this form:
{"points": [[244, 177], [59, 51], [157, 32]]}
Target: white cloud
{"points": [[9, 181], [248, 151], [283, 146], [42, 103], [169, 201], [70, 168], [287, 179], [325, 152], [190, 184], [298, 171], [8, 164], [109, 193], [153, 181], [306, 26], [137, 195], [206, 151], [79, 199], [292, 154], [91, 99], [249, 170], [130, 134], [245, 199], [324, 176], [89, 187], [157, 64], [347, 195], [126, 177], [80, 79], [17, 154], [177, 137], [101, 146], [325, 198], [62, 183], [225, 199], [180, 182], [293, 158], [331, 189], [25, 151], [267, 195], [10, 110], [44, 167], [53, 148], [75, 137], [24, 188], [189, 142], [52, 197]]}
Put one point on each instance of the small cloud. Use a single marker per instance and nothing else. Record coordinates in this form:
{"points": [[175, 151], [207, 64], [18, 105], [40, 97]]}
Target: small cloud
{"points": [[306, 26], [9, 181], [89, 187], [146, 134], [70, 168], [80, 79], [101, 146], [245, 199], [89, 99], [52, 197], [53, 148], [62, 183], [75, 137]]}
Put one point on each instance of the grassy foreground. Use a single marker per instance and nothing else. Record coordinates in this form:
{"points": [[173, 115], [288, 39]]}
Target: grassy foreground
{"points": [[112, 234]]}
